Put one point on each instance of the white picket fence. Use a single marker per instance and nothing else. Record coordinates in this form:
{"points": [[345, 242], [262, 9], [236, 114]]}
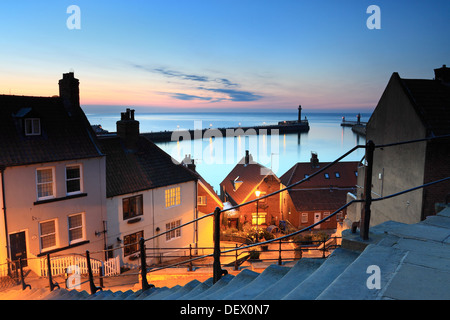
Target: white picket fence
{"points": [[60, 264]]}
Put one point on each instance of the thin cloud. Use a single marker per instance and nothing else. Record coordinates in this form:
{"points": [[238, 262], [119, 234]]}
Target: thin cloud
{"points": [[222, 86], [183, 96], [237, 95]]}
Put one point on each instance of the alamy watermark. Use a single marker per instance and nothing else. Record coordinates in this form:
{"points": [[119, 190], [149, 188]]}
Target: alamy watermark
{"points": [[73, 22], [374, 21], [208, 146], [374, 280]]}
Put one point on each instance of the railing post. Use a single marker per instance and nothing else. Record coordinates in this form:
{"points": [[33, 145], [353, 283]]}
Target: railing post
{"points": [[236, 266], [50, 277], [279, 255], [217, 269], [145, 285], [190, 257], [365, 216], [92, 285], [22, 278]]}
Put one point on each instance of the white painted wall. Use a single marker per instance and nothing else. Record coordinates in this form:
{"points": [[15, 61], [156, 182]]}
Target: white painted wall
{"points": [[24, 215]]}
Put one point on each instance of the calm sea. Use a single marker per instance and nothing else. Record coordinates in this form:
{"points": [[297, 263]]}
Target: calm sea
{"points": [[216, 156]]}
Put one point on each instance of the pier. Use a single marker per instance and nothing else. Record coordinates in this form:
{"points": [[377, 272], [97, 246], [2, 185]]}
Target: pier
{"points": [[358, 126], [178, 135]]}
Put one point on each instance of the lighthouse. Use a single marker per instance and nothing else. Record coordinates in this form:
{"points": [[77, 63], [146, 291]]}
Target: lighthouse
{"points": [[299, 114]]}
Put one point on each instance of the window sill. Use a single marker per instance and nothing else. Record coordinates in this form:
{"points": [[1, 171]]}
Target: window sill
{"points": [[79, 195], [133, 220], [42, 254]]}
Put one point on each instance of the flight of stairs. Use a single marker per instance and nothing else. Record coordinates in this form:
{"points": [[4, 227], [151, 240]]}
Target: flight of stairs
{"points": [[400, 261]]}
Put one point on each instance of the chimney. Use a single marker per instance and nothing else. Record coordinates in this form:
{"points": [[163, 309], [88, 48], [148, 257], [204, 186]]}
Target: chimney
{"points": [[128, 130], [69, 91], [247, 157], [299, 113], [314, 160], [442, 74], [189, 163]]}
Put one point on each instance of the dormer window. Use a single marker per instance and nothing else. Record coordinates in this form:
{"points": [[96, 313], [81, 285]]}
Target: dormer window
{"points": [[32, 127]]}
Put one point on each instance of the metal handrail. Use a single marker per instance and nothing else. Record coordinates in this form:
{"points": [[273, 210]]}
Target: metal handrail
{"points": [[217, 268]]}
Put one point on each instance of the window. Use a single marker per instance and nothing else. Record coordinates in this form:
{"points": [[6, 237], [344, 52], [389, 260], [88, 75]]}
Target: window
{"points": [[73, 179], [201, 200], [259, 219], [174, 233], [304, 217], [76, 223], [172, 197], [131, 243], [337, 174], [48, 234], [327, 176], [44, 181], [356, 173], [32, 127], [132, 207]]}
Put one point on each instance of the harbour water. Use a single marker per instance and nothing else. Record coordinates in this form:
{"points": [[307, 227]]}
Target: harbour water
{"points": [[216, 155]]}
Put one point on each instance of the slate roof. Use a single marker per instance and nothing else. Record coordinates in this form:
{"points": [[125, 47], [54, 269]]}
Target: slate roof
{"points": [[63, 136], [431, 99], [147, 168]]}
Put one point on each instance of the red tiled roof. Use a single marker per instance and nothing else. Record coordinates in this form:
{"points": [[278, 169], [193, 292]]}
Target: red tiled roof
{"points": [[341, 174], [319, 199], [243, 179]]}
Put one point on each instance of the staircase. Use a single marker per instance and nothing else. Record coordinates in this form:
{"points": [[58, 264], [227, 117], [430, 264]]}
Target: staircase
{"points": [[399, 261]]}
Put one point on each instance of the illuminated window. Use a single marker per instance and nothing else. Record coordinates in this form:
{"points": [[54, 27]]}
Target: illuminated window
{"points": [[32, 127], [44, 183], [132, 207], [131, 243], [172, 197], [327, 176], [259, 219], [174, 233], [47, 234]]}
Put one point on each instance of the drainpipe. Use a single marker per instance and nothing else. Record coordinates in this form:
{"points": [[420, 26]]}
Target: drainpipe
{"points": [[2, 171]]}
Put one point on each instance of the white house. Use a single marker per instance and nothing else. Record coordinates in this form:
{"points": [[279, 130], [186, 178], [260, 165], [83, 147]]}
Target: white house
{"points": [[148, 193], [52, 173]]}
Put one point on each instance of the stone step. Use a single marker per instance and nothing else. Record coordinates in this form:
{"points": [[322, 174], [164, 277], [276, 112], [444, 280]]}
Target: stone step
{"points": [[243, 278], [319, 280], [183, 291], [269, 276], [357, 280], [161, 293], [299, 272], [214, 287]]}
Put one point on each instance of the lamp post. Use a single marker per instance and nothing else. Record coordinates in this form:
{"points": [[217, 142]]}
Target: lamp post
{"points": [[257, 193]]}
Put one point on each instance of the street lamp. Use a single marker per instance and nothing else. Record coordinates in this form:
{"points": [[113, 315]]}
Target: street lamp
{"points": [[257, 193]]}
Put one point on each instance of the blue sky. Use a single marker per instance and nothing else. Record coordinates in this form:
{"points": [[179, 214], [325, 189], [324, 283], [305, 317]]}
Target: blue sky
{"points": [[216, 55]]}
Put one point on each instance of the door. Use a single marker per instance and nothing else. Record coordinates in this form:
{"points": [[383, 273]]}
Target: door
{"points": [[18, 244], [317, 219]]}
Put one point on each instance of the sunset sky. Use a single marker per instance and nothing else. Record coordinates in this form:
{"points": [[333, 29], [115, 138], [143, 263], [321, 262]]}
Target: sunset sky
{"points": [[217, 54]]}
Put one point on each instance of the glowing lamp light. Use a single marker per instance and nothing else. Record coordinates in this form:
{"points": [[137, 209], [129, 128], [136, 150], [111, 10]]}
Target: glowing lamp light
{"points": [[257, 193]]}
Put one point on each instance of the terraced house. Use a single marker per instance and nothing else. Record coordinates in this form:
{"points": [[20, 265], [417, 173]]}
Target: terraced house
{"points": [[52, 173]]}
